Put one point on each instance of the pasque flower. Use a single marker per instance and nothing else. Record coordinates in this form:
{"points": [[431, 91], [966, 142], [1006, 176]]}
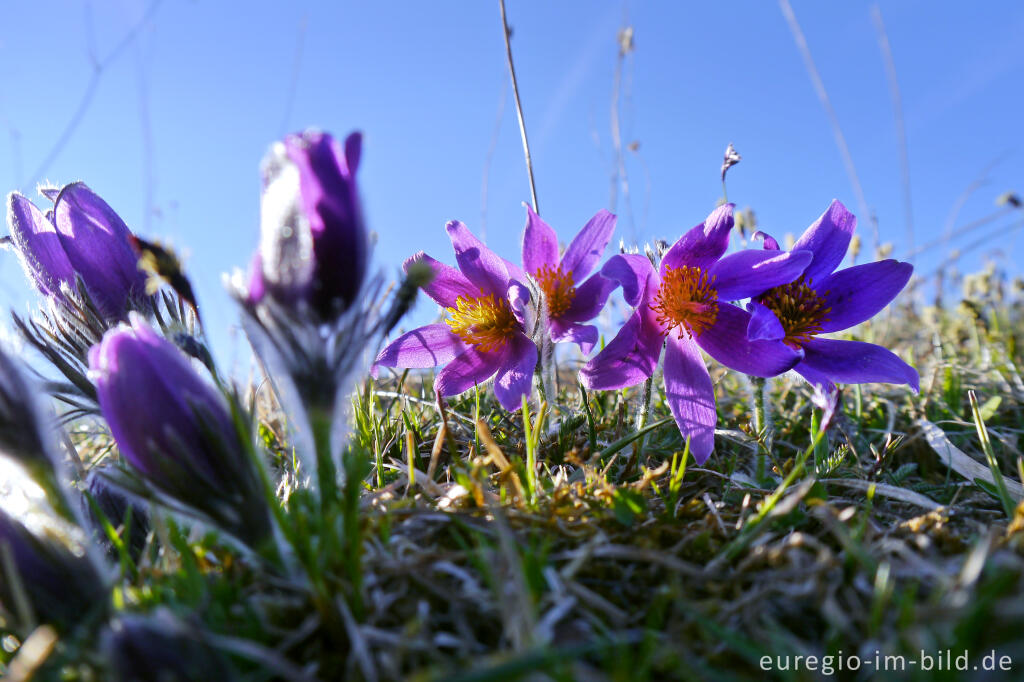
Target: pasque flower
{"points": [[313, 244], [686, 305], [27, 434], [160, 646], [488, 328], [176, 430], [59, 581], [571, 296], [82, 236], [105, 503], [824, 300]]}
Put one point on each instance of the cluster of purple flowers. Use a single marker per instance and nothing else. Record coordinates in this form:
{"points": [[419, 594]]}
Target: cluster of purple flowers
{"points": [[310, 308], [687, 302], [185, 438]]}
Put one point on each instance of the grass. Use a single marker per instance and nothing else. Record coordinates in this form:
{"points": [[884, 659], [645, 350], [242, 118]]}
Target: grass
{"points": [[561, 542]]}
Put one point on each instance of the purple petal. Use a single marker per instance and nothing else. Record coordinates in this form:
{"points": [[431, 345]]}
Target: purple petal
{"points": [[38, 246], [764, 325], [471, 368], [484, 268], [727, 342], [856, 362], [522, 305], [256, 287], [691, 396], [448, 283], [585, 336], [859, 292], [629, 358], [747, 273], [769, 241], [540, 243], [514, 271], [330, 201], [515, 376], [428, 346], [587, 248], [353, 151], [182, 416], [815, 378], [828, 238], [96, 241], [590, 299], [635, 273], [703, 244], [50, 193]]}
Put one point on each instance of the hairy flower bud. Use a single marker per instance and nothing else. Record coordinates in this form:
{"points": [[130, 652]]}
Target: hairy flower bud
{"points": [[82, 236], [53, 578], [176, 429], [161, 647], [313, 245]]}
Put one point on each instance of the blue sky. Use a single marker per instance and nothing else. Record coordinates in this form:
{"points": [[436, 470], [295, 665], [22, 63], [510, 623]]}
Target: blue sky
{"points": [[178, 121]]}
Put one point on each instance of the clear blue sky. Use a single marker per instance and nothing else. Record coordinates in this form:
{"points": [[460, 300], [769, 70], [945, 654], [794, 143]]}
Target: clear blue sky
{"points": [[176, 126]]}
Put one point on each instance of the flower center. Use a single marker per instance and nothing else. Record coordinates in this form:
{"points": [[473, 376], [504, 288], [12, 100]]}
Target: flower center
{"points": [[485, 322], [686, 299], [800, 309], [558, 288]]}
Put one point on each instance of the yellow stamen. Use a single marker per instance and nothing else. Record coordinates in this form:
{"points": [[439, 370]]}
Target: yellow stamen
{"points": [[800, 309], [558, 288], [686, 299], [485, 321]]}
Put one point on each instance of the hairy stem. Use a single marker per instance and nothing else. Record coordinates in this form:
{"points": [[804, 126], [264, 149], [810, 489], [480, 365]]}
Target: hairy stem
{"points": [[326, 472], [761, 428]]}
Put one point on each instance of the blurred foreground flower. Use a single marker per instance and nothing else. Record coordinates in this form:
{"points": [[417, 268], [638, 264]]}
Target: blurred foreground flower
{"points": [[491, 319], [177, 430], [313, 246], [106, 502], [686, 305], [46, 573], [161, 647], [823, 301], [568, 304], [310, 311], [27, 435]]}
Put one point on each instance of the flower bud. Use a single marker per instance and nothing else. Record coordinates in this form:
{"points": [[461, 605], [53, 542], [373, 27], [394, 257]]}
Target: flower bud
{"points": [[53, 578], [161, 647], [82, 237], [313, 245], [129, 518], [176, 430]]}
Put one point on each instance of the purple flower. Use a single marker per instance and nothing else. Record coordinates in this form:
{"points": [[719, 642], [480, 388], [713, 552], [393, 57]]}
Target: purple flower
{"points": [[488, 329], [823, 301], [106, 503], [82, 236], [60, 581], [568, 305], [176, 430], [686, 304], [313, 245], [159, 646]]}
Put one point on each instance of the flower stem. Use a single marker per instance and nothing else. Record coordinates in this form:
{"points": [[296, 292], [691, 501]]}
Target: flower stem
{"points": [[356, 469], [645, 404], [326, 473], [761, 427], [531, 454]]}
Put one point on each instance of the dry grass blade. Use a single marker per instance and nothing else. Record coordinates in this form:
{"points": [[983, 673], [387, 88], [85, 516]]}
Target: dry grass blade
{"points": [[960, 462], [886, 490]]}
